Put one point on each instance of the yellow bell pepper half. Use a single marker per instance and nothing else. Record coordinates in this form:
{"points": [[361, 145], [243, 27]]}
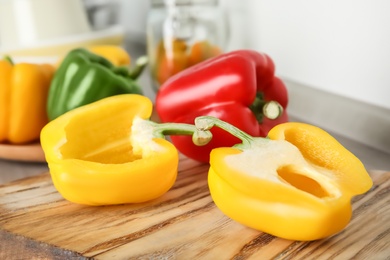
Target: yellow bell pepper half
{"points": [[23, 96], [108, 152], [296, 184]]}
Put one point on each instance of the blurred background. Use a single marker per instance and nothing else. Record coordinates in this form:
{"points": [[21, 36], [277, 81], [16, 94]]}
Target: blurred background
{"points": [[334, 56]]}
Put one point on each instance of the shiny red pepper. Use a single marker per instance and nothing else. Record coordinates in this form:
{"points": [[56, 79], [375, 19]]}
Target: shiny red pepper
{"points": [[238, 87]]}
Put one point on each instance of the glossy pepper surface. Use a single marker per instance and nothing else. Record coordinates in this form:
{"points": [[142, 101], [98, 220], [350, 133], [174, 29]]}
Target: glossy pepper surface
{"points": [[108, 152], [296, 184], [84, 77], [23, 96], [237, 87]]}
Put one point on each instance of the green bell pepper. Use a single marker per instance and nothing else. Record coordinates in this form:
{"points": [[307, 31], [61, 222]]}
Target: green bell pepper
{"points": [[84, 77]]}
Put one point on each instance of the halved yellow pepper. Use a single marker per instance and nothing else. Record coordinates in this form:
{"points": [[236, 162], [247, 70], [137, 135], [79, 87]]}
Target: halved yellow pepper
{"points": [[24, 89], [108, 152], [296, 184]]}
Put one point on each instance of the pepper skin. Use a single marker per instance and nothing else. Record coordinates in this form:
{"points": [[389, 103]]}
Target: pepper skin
{"points": [[234, 87], [115, 54], [84, 77], [23, 95], [296, 184], [108, 152]]}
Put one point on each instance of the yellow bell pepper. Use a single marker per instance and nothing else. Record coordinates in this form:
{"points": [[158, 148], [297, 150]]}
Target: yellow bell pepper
{"points": [[296, 184], [108, 152], [115, 54], [23, 93]]}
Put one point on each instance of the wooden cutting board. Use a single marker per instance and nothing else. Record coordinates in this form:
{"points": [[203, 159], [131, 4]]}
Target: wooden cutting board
{"points": [[183, 224]]}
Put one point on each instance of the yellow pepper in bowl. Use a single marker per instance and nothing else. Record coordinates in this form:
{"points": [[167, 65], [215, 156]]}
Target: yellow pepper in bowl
{"points": [[24, 89], [109, 152], [296, 184]]}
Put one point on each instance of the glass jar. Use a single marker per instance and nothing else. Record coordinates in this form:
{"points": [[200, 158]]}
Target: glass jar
{"points": [[182, 33]]}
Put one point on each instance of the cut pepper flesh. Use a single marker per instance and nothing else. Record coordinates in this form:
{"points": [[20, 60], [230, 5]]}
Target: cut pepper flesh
{"points": [[296, 184], [91, 158]]}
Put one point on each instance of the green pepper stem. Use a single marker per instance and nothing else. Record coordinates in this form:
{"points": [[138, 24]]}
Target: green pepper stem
{"points": [[133, 73], [269, 109], [199, 137], [272, 109], [8, 59], [140, 65], [205, 123]]}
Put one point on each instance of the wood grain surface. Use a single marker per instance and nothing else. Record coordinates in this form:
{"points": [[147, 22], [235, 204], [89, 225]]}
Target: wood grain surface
{"points": [[37, 223]]}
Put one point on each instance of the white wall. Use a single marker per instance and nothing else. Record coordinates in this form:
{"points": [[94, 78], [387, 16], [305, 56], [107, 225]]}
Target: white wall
{"points": [[340, 46], [133, 16]]}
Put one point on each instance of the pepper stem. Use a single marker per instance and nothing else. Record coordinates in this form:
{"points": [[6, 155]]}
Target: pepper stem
{"points": [[272, 109], [140, 64], [8, 59], [205, 123], [133, 73], [269, 109], [199, 137]]}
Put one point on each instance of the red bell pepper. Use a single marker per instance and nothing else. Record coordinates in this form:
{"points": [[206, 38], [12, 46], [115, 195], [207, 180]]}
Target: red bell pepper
{"points": [[234, 87]]}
